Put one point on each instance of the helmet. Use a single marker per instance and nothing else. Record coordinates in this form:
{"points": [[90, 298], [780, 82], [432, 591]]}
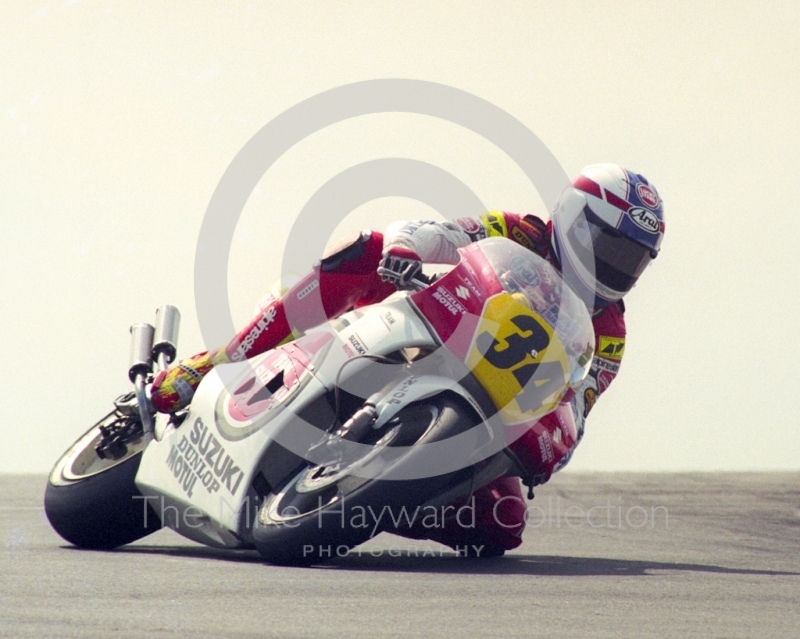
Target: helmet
{"points": [[607, 227]]}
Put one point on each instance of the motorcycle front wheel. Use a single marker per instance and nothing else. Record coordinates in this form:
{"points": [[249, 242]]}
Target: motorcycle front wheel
{"points": [[304, 522], [93, 502]]}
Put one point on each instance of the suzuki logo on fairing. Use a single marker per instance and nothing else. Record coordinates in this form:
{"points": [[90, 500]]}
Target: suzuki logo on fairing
{"points": [[202, 456], [462, 292], [644, 219], [446, 299]]}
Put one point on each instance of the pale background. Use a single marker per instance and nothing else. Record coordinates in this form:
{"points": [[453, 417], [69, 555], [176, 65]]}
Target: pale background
{"points": [[118, 119]]}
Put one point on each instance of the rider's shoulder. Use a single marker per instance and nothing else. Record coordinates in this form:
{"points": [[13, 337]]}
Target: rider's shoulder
{"points": [[528, 230]]}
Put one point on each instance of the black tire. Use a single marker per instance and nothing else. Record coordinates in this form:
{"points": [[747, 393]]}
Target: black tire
{"points": [[285, 541], [94, 503]]}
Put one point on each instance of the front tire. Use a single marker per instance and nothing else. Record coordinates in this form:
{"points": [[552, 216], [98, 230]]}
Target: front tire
{"points": [[312, 501], [94, 503]]}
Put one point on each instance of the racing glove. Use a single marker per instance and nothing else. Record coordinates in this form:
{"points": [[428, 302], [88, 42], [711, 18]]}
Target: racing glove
{"points": [[399, 266]]}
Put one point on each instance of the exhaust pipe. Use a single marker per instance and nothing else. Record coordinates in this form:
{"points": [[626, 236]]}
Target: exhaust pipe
{"points": [[141, 349], [148, 344], [168, 322], [141, 366]]}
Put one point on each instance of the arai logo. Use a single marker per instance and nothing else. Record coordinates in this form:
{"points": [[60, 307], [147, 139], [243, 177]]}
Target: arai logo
{"points": [[645, 219], [647, 195]]}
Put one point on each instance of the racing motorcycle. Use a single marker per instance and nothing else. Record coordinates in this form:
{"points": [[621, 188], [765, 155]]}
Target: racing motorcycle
{"points": [[399, 406]]}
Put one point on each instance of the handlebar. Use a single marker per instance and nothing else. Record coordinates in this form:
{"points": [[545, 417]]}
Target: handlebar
{"points": [[417, 283], [420, 282]]}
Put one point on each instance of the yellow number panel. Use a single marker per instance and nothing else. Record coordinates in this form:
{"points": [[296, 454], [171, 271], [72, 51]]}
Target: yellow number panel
{"points": [[518, 359]]}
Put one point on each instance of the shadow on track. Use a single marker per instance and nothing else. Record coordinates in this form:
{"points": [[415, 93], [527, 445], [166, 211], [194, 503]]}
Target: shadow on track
{"points": [[449, 563], [544, 565]]}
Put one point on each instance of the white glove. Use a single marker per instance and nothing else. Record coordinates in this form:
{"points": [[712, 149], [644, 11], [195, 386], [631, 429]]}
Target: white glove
{"points": [[399, 266]]}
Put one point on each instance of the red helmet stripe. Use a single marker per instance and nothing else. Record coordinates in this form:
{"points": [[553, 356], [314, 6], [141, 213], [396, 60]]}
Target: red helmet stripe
{"points": [[585, 184], [616, 201]]}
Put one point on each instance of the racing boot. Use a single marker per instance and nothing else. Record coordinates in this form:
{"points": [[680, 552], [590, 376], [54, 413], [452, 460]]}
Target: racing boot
{"points": [[173, 388]]}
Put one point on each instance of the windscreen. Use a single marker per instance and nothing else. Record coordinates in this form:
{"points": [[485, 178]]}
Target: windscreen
{"points": [[528, 276]]}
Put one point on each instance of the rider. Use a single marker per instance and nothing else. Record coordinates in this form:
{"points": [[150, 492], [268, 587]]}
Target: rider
{"points": [[604, 230]]}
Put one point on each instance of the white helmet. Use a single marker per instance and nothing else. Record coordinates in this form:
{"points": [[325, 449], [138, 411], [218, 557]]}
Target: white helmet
{"points": [[607, 227]]}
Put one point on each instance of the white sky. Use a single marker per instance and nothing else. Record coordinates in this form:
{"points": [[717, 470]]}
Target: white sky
{"points": [[118, 119]]}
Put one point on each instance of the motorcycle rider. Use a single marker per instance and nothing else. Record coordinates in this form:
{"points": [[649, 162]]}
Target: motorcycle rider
{"points": [[604, 230]]}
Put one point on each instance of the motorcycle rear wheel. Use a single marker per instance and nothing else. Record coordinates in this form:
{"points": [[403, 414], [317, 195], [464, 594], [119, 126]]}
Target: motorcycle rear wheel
{"points": [[93, 503], [286, 540]]}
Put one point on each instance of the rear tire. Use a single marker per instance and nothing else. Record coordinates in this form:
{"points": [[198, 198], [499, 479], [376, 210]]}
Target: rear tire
{"points": [[94, 503]]}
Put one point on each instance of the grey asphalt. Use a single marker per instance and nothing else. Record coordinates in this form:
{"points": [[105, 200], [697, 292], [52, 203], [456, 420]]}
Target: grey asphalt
{"points": [[605, 555]]}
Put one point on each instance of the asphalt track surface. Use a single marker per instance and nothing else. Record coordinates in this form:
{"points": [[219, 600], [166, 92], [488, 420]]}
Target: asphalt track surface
{"points": [[694, 555]]}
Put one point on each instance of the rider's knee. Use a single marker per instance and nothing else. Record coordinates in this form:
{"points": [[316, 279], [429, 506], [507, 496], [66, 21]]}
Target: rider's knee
{"points": [[356, 253]]}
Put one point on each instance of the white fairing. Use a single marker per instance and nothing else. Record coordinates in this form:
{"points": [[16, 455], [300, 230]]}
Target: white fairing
{"points": [[198, 477]]}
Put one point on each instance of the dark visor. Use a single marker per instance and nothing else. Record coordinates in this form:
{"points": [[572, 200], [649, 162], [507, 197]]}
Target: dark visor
{"points": [[618, 260]]}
